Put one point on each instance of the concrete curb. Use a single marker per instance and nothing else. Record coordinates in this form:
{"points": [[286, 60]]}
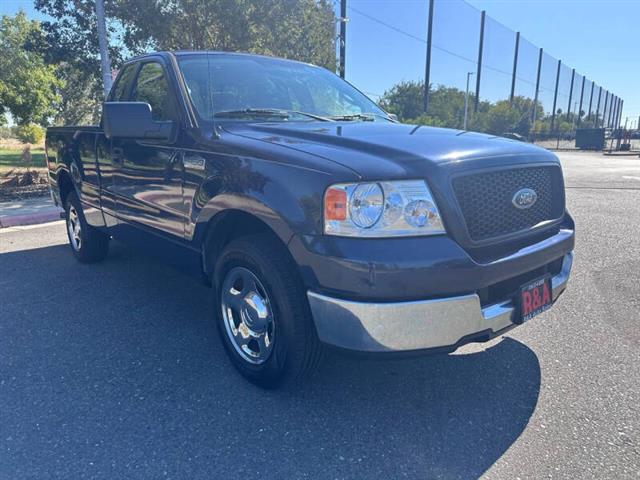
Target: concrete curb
{"points": [[32, 219]]}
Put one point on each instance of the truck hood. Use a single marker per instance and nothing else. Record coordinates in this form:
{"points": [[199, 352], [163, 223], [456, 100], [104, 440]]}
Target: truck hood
{"points": [[392, 150]]}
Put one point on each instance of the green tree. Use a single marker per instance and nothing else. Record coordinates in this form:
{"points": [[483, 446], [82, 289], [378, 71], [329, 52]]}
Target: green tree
{"points": [[502, 118], [298, 29], [405, 99], [27, 84], [30, 133]]}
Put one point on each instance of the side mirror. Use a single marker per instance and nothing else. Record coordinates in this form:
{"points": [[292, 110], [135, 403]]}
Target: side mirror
{"points": [[133, 120]]}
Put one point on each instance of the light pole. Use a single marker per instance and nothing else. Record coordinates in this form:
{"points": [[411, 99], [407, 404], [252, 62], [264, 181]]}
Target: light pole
{"points": [[103, 46], [466, 100]]}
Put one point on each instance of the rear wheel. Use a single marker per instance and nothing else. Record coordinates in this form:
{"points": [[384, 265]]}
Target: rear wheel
{"points": [[262, 313], [87, 243]]}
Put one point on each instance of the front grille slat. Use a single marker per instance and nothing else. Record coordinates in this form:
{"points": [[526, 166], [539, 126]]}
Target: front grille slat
{"points": [[485, 200]]}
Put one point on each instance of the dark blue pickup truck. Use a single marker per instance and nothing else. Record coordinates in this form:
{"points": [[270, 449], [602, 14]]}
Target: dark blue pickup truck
{"points": [[316, 217]]}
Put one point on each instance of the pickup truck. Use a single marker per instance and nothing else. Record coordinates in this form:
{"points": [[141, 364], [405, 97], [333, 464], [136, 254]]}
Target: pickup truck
{"points": [[317, 218]]}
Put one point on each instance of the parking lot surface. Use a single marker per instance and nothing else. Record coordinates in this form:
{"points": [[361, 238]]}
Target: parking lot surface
{"points": [[116, 371]]}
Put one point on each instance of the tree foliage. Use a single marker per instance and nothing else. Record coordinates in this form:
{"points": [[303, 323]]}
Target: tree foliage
{"points": [[30, 133], [27, 84], [446, 109], [298, 29]]}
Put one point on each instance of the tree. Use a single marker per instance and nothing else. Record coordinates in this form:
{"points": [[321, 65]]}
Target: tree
{"points": [[80, 96], [27, 84], [298, 29], [30, 133], [405, 99]]}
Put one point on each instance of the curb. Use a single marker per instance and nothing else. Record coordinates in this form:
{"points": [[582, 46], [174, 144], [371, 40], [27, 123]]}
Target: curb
{"points": [[33, 219]]}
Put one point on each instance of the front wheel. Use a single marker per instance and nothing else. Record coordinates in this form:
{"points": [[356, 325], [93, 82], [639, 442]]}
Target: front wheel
{"points": [[262, 313], [87, 243]]}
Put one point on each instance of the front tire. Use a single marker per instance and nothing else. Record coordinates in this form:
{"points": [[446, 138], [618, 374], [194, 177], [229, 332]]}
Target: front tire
{"points": [[87, 243], [262, 313]]}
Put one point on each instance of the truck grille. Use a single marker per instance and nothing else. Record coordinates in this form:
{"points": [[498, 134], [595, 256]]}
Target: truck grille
{"points": [[485, 200]]}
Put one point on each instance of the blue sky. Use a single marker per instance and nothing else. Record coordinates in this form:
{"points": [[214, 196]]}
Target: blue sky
{"points": [[599, 38]]}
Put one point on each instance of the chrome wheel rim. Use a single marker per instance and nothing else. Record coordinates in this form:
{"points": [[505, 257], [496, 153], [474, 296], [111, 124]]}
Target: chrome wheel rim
{"points": [[74, 228], [247, 315]]}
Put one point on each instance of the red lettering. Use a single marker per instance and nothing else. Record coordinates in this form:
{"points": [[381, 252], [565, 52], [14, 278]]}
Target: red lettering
{"points": [[526, 303], [546, 296], [536, 298]]}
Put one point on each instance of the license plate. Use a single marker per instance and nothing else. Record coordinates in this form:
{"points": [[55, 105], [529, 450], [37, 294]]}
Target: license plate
{"points": [[535, 298]]}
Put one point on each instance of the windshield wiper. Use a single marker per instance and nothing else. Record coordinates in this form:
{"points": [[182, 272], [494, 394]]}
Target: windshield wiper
{"points": [[268, 112], [365, 117]]}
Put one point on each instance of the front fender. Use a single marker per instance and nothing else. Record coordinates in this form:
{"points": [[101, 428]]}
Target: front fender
{"points": [[286, 198], [224, 203]]}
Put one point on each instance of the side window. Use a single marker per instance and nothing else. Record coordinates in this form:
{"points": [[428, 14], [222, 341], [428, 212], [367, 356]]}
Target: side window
{"points": [[121, 87], [152, 87]]}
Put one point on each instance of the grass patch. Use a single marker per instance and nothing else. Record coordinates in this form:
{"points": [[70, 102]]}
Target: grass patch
{"points": [[11, 158]]}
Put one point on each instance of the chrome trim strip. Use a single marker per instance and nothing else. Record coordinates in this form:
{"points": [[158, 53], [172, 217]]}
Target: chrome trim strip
{"points": [[402, 326], [559, 282]]}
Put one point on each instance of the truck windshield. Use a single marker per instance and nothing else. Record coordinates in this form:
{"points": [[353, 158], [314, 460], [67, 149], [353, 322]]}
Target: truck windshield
{"points": [[241, 87]]}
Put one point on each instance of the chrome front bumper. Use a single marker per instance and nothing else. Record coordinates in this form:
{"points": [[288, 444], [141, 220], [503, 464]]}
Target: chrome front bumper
{"points": [[418, 325]]}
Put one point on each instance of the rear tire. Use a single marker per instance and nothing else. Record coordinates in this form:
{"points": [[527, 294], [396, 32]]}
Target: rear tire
{"points": [[262, 313], [87, 243]]}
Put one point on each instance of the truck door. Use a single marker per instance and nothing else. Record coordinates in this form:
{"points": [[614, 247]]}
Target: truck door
{"points": [[106, 164], [148, 174]]}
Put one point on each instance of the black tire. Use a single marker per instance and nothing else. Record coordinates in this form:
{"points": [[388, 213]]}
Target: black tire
{"points": [[88, 244], [296, 350]]}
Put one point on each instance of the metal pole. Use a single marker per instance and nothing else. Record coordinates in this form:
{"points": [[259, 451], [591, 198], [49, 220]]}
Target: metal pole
{"points": [[466, 101], [479, 71], [515, 68], [610, 111], [614, 115], [614, 106], [535, 98], [343, 37], [103, 46], [591, 100], [604, 109], [573, 75], [427, 72], [598, 107], [555, 96], [581, 98]]}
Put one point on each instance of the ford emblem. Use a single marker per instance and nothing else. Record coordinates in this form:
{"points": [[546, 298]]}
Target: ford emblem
{"points": [[524, 198]]}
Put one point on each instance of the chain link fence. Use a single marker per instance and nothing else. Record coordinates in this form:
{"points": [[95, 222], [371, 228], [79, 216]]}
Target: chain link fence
{"points": [[509, 85]]}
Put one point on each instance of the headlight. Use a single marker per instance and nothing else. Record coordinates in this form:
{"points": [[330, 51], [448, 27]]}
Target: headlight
{"points": [[381, 209]]}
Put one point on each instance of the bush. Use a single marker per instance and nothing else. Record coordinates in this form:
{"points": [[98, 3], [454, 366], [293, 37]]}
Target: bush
{"points": [[5, 132], [30, 133]]}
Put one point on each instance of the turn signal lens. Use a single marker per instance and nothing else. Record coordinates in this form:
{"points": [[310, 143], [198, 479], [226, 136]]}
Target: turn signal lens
{"points": [[335, 204]]}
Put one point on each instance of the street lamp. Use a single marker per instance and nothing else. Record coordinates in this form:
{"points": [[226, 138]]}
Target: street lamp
{"points": [[466, 100]]}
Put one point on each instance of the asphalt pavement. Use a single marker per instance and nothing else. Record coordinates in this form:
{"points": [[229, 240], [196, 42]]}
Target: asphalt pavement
{"points": [[115, 371]]}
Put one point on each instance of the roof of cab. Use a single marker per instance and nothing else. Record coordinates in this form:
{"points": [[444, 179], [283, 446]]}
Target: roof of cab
{"points": [[181, 53]]}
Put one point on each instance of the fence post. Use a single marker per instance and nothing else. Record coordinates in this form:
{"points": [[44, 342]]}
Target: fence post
{"points": [[535, 98], [591, 99], [427, 72], [604, 109], [479, 72], [573, 75], [343, 37], [614, 114], [611, 107], [515, 68], [598, 107], [555, 97], [581, 98]]}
